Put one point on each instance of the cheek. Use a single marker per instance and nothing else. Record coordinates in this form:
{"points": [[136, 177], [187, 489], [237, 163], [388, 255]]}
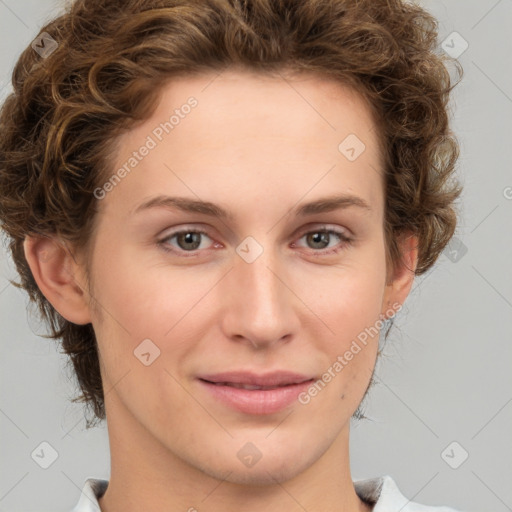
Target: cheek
{"points": [[133, 290], [349, 303], [141, 300], [350, 299], [351, 310]]}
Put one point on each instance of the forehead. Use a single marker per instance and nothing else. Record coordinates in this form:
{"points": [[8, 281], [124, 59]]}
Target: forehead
{"points": [[253, 133], [251, 102]]}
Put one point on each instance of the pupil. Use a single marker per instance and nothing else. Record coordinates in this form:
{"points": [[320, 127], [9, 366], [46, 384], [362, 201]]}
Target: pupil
{"points": [[319, 237], [191, 238]]}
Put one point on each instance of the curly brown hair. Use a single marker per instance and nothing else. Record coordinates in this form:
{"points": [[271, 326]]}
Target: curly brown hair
{"points": [[59, 124]]}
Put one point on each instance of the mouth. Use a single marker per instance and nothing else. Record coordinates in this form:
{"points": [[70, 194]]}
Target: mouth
{"points": [[255, 394], [250, 387]]}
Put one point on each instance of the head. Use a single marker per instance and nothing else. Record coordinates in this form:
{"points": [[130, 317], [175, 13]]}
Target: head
{"points": [[259, 109]]}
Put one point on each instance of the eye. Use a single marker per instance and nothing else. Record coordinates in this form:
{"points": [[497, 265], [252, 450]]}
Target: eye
{"points": [[320, 239], [187, 240]]}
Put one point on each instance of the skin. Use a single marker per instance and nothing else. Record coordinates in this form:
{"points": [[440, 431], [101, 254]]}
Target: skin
{"points": [[258, 147]]}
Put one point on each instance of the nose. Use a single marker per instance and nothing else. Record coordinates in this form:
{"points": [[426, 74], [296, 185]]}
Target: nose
{"points": [[261, 307]]}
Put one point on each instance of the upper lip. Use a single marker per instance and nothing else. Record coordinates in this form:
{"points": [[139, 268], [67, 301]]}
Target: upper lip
{"points": [[275, 378]]}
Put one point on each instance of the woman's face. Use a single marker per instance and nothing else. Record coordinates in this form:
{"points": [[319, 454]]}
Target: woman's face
{"points": [[272, 286]]}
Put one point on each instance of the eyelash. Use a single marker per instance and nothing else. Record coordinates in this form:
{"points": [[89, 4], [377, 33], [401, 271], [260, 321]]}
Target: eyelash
{"points": [[345, 240]]}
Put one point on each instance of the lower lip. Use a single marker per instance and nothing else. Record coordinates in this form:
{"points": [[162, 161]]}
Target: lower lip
{"points": [[257, 401]]}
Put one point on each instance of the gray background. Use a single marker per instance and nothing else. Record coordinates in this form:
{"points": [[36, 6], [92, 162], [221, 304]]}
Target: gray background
{"points": [[446, 373]]}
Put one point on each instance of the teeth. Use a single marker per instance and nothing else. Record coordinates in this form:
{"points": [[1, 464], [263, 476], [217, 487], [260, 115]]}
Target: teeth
{"points": [[246, 386]]}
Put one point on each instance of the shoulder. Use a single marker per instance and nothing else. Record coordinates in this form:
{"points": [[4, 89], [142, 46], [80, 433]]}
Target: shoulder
{"points": [[385, 496]]}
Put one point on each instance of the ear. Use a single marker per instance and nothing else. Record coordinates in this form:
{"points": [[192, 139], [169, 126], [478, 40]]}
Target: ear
{"points": [[57, 275], [401, 278]]}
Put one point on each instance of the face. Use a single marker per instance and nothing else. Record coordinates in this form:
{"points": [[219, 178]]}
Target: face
{"points": [[185, 294]]}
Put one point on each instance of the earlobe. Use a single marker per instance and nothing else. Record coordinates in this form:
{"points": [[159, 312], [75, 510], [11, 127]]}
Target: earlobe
{"points": [[55, 273], [402, 278]]}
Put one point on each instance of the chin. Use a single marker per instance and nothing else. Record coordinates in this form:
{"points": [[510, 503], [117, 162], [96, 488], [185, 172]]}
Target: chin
{"points": [[256, 477], [276, 468]]}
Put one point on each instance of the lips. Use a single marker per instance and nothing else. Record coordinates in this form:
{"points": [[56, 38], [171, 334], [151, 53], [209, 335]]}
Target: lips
{"points": [[255, 394]]}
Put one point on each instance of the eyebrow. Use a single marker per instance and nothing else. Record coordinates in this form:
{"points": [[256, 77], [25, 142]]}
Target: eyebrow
{"points": [[322, 205]]}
